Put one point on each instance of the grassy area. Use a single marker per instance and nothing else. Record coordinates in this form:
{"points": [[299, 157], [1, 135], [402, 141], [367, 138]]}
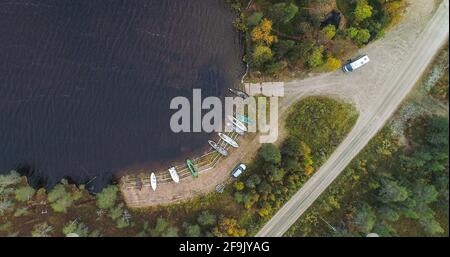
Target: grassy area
{"points": [[241, 210], [398, 185]]}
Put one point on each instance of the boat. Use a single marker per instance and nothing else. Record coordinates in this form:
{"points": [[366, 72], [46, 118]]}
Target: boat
{"points": [[228, 140], [239, 93], [218, 148], [153, 181], [173, 173], [236, 129], [192, 168], [245, 119], [237, 123]]}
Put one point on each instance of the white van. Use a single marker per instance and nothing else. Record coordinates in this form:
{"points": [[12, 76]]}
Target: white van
{"points": [[356, 64]]}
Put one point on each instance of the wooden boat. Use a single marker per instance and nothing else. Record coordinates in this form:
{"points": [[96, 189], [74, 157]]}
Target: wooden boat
{"points": [[192, 168], [228, 140], [153, 181], [174, 175]]}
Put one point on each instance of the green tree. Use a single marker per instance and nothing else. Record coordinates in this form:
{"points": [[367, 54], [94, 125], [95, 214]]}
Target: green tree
{"points": [[270, 153], [106, 199], [261, 54], [362, 37], [391, 192], [24, 193], [60, 200], [329, 31], [191, 230], [283, 12], [205, 218], [315, 59], [363, 10]]}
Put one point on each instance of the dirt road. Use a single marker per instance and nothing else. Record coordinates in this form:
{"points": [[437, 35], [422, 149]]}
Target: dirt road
{"points": [[398, 61]]}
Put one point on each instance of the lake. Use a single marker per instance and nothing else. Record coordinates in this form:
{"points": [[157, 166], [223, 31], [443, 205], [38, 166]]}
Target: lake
{"points": [[85, 86]]}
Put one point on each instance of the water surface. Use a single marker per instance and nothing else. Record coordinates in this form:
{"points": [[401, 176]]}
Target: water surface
{"points": [[85, 86]]}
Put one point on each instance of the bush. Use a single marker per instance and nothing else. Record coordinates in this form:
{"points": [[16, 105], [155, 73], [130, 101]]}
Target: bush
{"points": [[24, 193], [106, 199]]}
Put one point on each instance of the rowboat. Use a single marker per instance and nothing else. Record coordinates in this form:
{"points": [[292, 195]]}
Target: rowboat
{"points": [[237, 123], [218, 148], [192, 168], [228, 140], [153, 181], [173, 173], [239, 93], [236, 129], [245, 119]]}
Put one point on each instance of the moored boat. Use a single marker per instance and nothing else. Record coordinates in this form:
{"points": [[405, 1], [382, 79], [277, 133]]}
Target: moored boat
{"points": [[237, 123], [192, 168], [245, 119], [228, 140], [218, 148], [236, 129], [239, 93], [153, 181], [174, 175]]}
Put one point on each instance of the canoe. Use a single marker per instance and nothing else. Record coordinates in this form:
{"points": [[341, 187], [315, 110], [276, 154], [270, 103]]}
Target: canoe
{"points": [[192, 168], [236, 129], [173, 173], [237, 123], [245, 119], [153, 181], [239, 93], [218, 148], [228, 140]]}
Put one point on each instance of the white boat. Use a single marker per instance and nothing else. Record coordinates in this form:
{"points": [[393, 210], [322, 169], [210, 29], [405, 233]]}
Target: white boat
{"points": [[236, 129], [174, 175], [228, 140], [218, 148], [237, 123], [153, 181]]}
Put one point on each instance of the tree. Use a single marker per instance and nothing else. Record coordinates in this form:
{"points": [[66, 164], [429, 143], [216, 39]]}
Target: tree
{"points": [[283, 12], [261, 34], [60, 200], [333, 64], [254, 19], [365, 219], [229, 227], [315, 59], [107, 197], [270, 153], [391, 192], [261, 54], [363, 10], [362, 37], [24, 193], [253, 181], [329, 31], [191, 230], [42, 230], [206, 218]]}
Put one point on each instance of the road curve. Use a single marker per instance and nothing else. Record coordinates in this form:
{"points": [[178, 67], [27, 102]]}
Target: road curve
{"points": [[401, 80]]}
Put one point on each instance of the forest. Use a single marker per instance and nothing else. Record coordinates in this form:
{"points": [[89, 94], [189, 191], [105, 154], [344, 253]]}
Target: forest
{"points": [[295, 36]]}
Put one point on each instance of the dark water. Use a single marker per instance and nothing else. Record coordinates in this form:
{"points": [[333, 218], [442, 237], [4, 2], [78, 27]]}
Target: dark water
{"points": [[85, 85]]}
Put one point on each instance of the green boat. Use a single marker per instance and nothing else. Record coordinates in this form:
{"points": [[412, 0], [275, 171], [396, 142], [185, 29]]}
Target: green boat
{"points": [[192, 168]]}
